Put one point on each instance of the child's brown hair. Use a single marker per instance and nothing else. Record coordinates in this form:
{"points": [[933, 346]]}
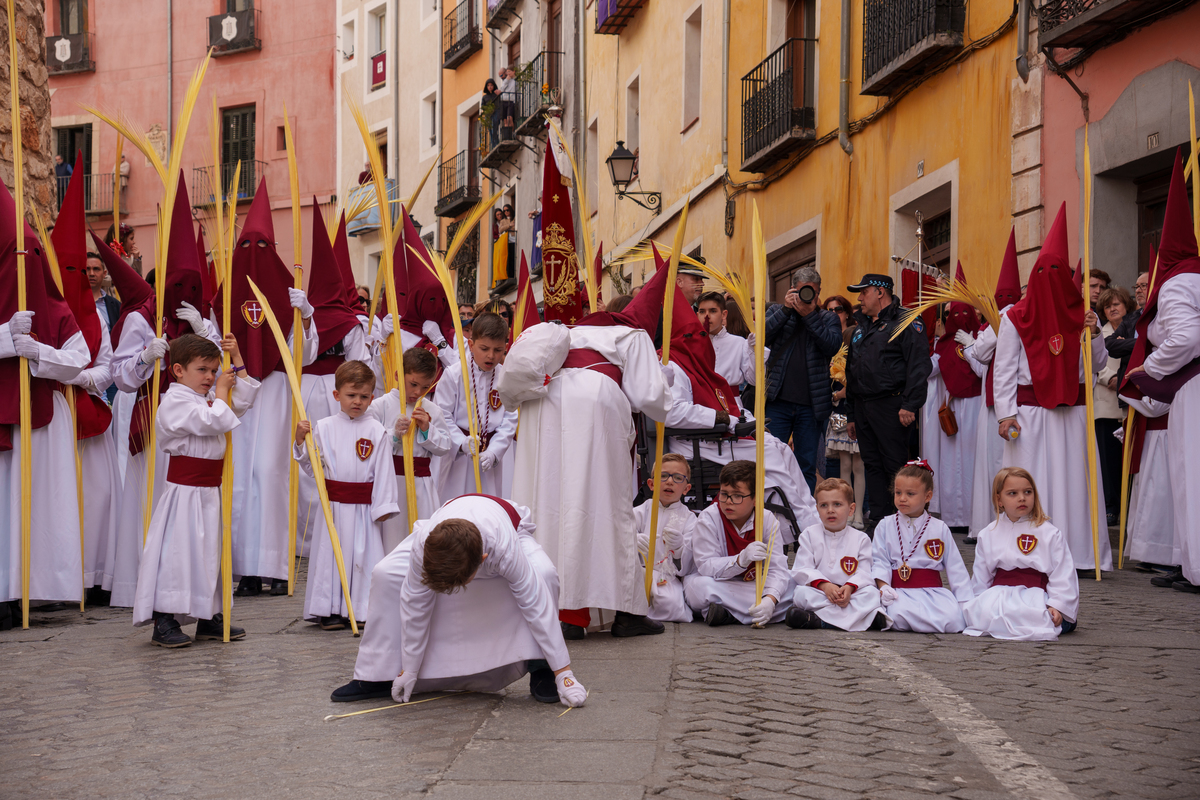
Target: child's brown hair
{"points": [[1036, 515], [453, 553], [736, 472], [489, 326], [355, 373], [835, 485], [419, 361], [189, 347], [675, 458], [919, 471]]}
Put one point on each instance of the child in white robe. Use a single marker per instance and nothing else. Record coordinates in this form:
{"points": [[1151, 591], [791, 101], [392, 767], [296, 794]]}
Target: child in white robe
{"points": [[179, 573], [727, 555], [832, 569], [673, 547], [1025, 583], [356, 455], [910, 551], [467, 603], [431, 440]]}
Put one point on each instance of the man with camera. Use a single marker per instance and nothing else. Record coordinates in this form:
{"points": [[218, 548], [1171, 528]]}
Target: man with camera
{"points": [[803, 339]]}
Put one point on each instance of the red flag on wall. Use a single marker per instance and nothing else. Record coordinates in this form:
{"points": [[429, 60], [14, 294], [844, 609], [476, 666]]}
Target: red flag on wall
{"points": [[560, 278]]}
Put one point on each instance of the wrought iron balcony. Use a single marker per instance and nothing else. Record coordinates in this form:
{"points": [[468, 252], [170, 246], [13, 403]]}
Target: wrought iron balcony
{"points": [[461, 34], [97, 192], [497, 137], [458, 184], [369, 220], [204, 181], [69, 53], [1083, 23], [235, 32], [906, 38], [501, 13], [539, 85], [465, 263], [778, 104], [613, 15]]}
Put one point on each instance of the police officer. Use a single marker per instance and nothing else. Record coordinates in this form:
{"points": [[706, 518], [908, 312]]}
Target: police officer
{"points": [[885, 386]]}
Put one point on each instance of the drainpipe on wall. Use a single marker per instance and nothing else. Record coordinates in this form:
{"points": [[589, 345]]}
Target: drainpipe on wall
{"points": [[1023, 40], [844, 104], [170, 79], [581, 127], [725, 87], [394, 147]]}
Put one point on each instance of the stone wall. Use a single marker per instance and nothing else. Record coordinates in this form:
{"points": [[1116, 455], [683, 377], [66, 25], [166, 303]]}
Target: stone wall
{"points": [[35, 106]]}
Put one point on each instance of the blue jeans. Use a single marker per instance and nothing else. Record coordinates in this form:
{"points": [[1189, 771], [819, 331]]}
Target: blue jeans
{"points": [[798, 423]]}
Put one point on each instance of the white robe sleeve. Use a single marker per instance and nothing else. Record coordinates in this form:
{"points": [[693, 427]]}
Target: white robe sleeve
{"points": [[61, 364], [449, 390], [416, 607], [128, 371], [778, 576], [300, 452], [956, 570], [200, 419], [881, 557], [503, 437], [984, 348], [1099, 358], [385, 494], [806, 569], [1179, 314], [642, 380], [355, 346], [684, 413], [862, 576], [1007, 363], [935, 361], [96, 378], [310, 346], [709, 551], [747, 366], [435, 441], [244, 393], [538, 608], [1063, 588], [985, 560]]}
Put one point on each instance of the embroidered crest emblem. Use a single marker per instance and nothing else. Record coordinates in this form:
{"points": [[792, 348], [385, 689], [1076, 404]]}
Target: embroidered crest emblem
{"points": [[918, 325], [934, 548], [722, 401], [568, 682], [363, 449], [1056, 343], [961, 352], [849, 565], [494, 400], [1026, 542], [252, 312], [750, 574]]}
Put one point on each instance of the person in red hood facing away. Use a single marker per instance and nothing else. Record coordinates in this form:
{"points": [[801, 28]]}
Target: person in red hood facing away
{"points": [[1039, 390]]}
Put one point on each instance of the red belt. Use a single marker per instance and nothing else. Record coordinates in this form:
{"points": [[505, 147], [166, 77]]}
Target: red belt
{"points": [[349, 492], [1024, 576], [420, 466], [583, 358], [919, 579], [191, 471], [1027, 397], [1158, 423], [513, 516]]}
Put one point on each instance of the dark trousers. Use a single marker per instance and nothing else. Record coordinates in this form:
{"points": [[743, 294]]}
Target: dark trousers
{"points": [[1111, 455], [883, 443], [798, 423]]}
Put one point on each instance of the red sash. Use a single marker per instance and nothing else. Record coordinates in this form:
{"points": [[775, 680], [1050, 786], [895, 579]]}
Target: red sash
{"points": [[583, 358], [324, 365], [1158, 423], [1026, 396], [735, 543], [513, 516], [420, 466], [919, 579], [1024, 576], [192, 471], [351, 493]]}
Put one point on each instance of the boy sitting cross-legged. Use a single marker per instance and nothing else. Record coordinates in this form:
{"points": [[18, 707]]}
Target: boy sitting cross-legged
{"points": [[673, 548]]}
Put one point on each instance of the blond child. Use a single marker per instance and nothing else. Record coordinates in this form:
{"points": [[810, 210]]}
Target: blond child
{"points": [[673, 547]]}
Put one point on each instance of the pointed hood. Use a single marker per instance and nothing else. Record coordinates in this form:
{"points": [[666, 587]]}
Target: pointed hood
{"points": [[137, 296], [208, 275], [1008, 287], [341, 252], [960, 379], [326, 291], [182, 273], [692, 350], [645, 310], [423, 298], [1077, 275], [69, 239]]}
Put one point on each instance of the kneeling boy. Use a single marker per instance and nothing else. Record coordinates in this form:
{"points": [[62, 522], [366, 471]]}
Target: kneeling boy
{"points": [[673, 547]]}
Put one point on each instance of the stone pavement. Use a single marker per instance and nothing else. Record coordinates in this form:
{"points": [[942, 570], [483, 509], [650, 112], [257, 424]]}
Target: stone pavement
{"points": [[90, 709]]}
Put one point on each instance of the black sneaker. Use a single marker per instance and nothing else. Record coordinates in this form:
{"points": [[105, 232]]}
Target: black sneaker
{"points": [[1165, 581], [542, 685], [1184, 585], [970, 540], [361, 690], [278, 587], [571, 632], [6, 616], [879, 623], [801, 618], [215, 629], [334, 623], [98, 597], [248, 586], [167, 632], [718, 615], [627, 624]]}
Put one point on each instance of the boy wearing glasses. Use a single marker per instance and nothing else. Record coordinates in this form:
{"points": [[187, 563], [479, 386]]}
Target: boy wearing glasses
{"points": [[673, 547], [727, 557]]}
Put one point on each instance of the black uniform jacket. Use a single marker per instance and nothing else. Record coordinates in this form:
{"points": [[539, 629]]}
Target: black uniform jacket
{"points": [[878, 368]]}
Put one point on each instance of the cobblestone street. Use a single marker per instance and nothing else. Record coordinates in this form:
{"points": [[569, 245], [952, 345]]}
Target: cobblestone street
{"points": [[91, 709]]}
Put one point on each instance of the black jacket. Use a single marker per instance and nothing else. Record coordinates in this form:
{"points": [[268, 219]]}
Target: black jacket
{"points": [[1120, 342], [822, 343], [877, 368]]}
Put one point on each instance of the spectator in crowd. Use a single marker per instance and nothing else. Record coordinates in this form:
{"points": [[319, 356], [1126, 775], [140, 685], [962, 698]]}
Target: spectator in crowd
{"points": [[803, 338], [107, 306], [735, 321], [1116, 306], [127, 246], [62, 176], [691, 280], [508, 96], [364, 177], [1141, 288], [364, 299], [1114, 303], [1099, 281], [490, 103], [838, 444]]}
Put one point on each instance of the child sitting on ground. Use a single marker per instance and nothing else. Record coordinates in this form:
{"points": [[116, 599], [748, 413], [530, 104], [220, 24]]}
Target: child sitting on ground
{"points": [[1025, 583], [673, 548], [832, 569], [727, 557], [910, 552]]}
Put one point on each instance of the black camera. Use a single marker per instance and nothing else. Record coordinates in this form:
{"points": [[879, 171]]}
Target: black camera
{"points": [[807, 294]]}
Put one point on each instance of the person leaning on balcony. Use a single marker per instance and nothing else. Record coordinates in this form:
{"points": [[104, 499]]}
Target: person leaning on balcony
{"points": [[508, 96], [490, 105]]}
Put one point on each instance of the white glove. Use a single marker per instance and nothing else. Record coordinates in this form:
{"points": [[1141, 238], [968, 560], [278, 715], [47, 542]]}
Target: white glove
{"points": [[299, 300], [1119, 435], [570, 691], [402, 687], [154, 351], [188, 313], [21, 322], [750, 340], [668, 374], [386, 325], [26, 346], [402, 423], [433, 333], [487, 460], [673, 539], [761, 613], [471, 446], [964, 338], [755, 551], [887, 595]]}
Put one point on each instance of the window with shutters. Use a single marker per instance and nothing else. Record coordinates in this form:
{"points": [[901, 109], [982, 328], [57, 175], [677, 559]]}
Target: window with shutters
{"points": [[237, 144], [233, 6], [72, 17]]}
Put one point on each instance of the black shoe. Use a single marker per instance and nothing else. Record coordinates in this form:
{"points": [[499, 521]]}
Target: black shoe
{"points": [[801, 618], [248, 586], [542, 685], [278, 587], [635, 625], [361, 690], [572, 633], [718, 615], [1068, 626], [167, 632], [6, 616], [1086, 574], [1185, 586], [334, 623], [215, 629], [1111, 519], [1166, 581], [971, 540], [98, 597], [879, 623]]}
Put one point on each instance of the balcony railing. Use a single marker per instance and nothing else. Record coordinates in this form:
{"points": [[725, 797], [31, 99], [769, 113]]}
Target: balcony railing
{"points": [[501, 13], [613, 15], [778, 104], [235, 32], [97, 192], [466, 262], [69, 53], [461, 34], [204, 183], [379, 70], [1083, 23], [539, 85], [458, 184], [905, 38], [369, 220], [497, 137]]}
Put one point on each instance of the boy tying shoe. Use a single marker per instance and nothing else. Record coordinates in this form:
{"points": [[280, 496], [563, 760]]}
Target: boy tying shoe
{"points": [[673, 549], [181, 563], [356, 453], [727, 556], [832, 569]]}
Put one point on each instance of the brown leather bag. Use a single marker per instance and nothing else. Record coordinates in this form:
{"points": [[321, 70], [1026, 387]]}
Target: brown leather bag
{"points": [[947, 419]]}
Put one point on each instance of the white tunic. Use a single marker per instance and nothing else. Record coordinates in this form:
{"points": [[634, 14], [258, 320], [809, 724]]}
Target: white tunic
{"points": [[574, 468], [1175, 334], [352, 451], [718, 577], [669, 567], [931, 610], [989, 447], [478, 638], [1052, 446], [735, 358], [457, 470], [1020, 612], [839, 557], [952, 457], [1151, 534], [180, 567]]}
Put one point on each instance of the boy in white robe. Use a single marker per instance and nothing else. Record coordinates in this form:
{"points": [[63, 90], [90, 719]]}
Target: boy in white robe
{"points": [[181, 565], [356, 455], [672, 548], [832, 569], [735, 354], [467, 602], [727, 556], [910, 551], [431, 440], [1025, 584]]}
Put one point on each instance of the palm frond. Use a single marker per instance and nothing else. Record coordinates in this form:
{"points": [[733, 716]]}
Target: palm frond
{"points": [[954, 292], [837, 365], [48, 250], [122, 125]]}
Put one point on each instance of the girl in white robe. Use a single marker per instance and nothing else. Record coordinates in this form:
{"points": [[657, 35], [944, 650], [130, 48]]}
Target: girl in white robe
{"points": [[676, 526]]}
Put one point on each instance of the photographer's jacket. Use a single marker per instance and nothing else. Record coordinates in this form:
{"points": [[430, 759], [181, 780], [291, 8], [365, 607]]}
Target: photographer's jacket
{"points": [[877, 368]]}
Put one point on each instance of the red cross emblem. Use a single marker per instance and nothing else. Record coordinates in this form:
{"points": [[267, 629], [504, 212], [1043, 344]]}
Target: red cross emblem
{"points": [[849, 565], [363, 448], [1026, 542], [252, 311], [934, 548], [494, 400], [1056, 343]]}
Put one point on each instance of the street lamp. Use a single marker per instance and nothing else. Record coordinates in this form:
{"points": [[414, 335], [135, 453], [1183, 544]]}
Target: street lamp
{"points": [[620, 168]]}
